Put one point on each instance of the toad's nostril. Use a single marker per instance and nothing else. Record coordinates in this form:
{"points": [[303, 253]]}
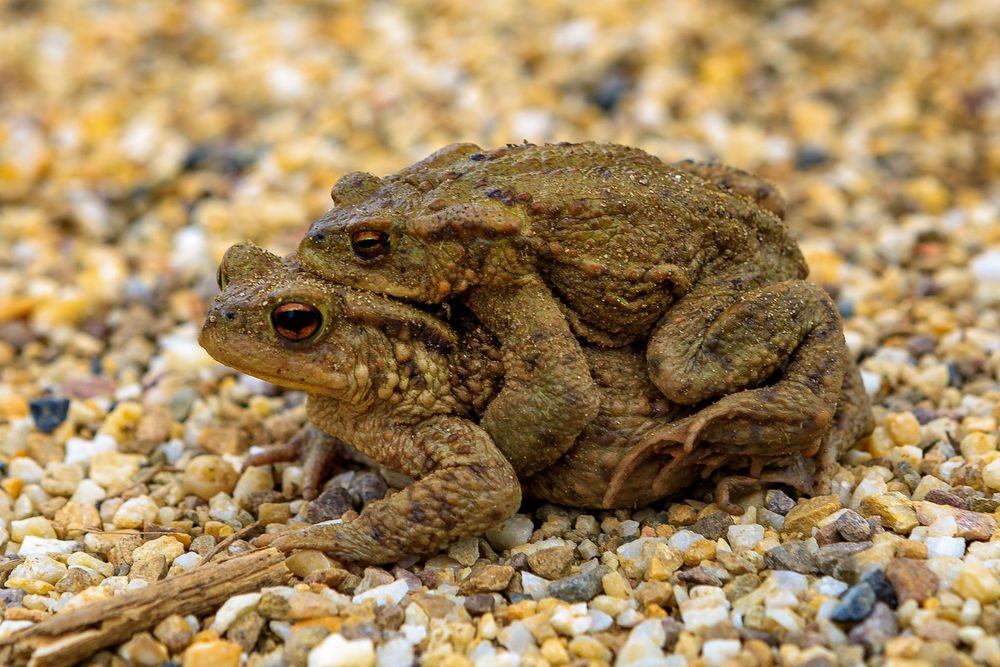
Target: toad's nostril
{"points": [[318, 237], [229, 316]]}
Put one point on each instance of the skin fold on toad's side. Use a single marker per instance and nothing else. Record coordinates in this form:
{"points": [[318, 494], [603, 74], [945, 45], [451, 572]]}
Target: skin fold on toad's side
{"points": [[605, 244], [410, 391]]}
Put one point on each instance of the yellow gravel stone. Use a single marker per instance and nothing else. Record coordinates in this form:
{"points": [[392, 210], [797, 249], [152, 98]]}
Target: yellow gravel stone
{"points": [[212, 654], [554, 651], [616, 585], [903, 428], [806, 514], [895, 511], [978, 582], [589, 649]]}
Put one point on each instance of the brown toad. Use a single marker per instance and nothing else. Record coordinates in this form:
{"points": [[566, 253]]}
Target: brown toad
{"points": [[410, 391], [606, 244]]}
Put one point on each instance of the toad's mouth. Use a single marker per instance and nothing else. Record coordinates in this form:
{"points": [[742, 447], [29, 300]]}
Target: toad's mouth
{"points": [[440, 311]]}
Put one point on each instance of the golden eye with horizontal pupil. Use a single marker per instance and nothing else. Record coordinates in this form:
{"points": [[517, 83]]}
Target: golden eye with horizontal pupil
{"points": [[369, 243], [296, 321]]}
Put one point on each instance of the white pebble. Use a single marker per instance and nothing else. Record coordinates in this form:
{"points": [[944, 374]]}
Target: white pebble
{"points": [[651, 629], [991, 474], [26, 469], [186, 561], [222, 508], [516, 638], [81, 450], [744, 537], [513, 532], [706, 607], [872, 382], [385, 593], [35, 546], [986, 266], [534, 585], [629, 528], [88, 492], [985, 550], [572, 620], [396, 651], [943, 526], [40, 567], [784, 617], [871, 485], [945, 546], [683, 539], [37, 526], [172, 450], [787, 580], [639, 651], [629, 618], [413, 634], [599, 621], [717, 651], [830, 586], [7, 628], [335, 651], [134, 512], [986, 650], [633, 550], [233, 608]]}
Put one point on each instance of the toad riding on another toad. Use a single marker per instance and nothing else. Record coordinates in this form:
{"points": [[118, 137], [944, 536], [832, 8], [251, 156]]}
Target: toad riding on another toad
{"points": [[409, 390], [578, 262]]}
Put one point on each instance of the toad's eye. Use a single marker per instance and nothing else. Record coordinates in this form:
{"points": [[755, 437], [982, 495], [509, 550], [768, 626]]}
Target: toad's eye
{"points": [[369, 243], [296, 321], [221, 279]]}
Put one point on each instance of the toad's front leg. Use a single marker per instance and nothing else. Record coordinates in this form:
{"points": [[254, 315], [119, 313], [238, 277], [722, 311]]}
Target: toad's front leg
{"points": [[464, 486], [548, 396]]}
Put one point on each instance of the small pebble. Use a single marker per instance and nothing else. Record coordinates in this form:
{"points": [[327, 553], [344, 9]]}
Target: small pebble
{"points": [[49, 413]]}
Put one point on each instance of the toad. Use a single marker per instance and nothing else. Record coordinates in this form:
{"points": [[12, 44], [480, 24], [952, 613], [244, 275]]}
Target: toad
{"points": [[605, 244], [410, 391]]}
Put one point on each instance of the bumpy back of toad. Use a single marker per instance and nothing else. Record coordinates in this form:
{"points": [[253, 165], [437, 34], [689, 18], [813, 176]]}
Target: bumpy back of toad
{"points": [[617, 234]]}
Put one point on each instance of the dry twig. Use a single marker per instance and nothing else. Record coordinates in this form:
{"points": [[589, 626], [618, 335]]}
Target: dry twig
{"points": [[72, 636]]}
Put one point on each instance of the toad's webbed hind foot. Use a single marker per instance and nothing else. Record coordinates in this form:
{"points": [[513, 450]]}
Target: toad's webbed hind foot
{"points": [[314, 448], [798, 474]]}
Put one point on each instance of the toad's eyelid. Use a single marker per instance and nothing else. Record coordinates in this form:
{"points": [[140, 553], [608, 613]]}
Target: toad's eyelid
{"points": [[370, 224], [292, 295]]}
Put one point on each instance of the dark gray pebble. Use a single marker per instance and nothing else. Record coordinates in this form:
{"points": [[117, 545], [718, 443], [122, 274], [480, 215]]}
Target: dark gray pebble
{"points": [[48, 413], [856, 605]]}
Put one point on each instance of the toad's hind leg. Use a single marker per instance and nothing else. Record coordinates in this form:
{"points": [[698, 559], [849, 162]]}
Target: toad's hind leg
{"points": [[727, 335], [853, 421], [793, 322]]}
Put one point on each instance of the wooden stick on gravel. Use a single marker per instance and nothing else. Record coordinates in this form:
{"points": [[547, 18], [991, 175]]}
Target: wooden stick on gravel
{"points": [[69, 637]]}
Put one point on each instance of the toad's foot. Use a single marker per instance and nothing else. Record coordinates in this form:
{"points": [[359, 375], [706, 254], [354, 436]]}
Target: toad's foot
{"points": [[770, 422], [799, 475], [465, 486], [313, 447]]}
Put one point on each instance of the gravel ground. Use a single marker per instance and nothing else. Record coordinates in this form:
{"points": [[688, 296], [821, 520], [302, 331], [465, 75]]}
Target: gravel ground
{"points": [[138, 141]]}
